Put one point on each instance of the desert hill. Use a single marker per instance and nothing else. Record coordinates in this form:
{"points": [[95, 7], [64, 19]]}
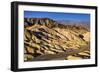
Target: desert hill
{"points": [[46, 39]]}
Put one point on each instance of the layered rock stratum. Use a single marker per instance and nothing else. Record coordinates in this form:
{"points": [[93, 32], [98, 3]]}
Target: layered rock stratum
{"points": [[47, 39]]}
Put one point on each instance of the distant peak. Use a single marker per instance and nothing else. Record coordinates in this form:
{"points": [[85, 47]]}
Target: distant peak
{"points": [[41, 21]]}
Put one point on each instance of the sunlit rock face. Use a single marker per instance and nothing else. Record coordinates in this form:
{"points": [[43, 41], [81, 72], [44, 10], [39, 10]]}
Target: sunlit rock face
{"points": [[46, 39]]}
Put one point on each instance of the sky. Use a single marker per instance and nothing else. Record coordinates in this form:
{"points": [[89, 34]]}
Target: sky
{"points": [[58, 16]]}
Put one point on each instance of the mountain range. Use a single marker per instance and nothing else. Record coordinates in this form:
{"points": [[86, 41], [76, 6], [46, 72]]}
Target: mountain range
{"points": [[47, 39]]}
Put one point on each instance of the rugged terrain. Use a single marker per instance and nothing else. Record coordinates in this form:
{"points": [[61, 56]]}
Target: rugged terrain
{"points": [[46, 39]]}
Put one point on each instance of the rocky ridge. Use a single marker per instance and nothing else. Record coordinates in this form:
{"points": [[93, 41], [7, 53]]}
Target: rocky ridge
{"points": [[46, 39]]}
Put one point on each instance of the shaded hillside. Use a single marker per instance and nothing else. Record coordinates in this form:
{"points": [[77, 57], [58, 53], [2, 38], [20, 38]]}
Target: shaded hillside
{"points": [[44, 36]]}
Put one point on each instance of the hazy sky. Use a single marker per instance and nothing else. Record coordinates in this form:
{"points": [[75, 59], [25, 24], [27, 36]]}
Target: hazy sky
{"points": [[58, 16]]}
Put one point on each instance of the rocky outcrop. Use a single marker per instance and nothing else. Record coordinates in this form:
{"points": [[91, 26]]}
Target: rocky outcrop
{"points": [[44, 37]]}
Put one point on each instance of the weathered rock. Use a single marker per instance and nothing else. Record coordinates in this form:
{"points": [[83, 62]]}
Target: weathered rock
{"points": [[73, 58], [46, 37]]}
